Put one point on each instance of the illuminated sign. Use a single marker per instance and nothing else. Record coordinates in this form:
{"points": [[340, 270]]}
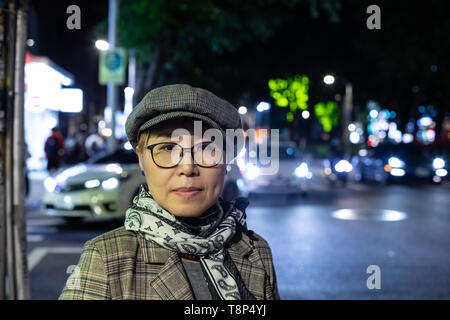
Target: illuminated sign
{"points": [[70, 100]]}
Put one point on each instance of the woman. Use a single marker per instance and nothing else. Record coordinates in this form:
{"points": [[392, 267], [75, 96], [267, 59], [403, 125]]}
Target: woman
{"points": [[180, 239]]}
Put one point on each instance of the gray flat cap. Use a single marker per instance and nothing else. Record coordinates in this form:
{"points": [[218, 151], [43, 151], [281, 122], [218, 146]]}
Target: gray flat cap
{"points": [[180, 100]]}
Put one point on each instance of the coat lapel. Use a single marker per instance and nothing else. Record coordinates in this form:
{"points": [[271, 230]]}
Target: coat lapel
{"points": [[171, 283], [247, 261]]}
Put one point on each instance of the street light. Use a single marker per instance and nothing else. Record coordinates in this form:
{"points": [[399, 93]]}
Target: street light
{"points": [[102, 45], [328, 79], [242, 110], [263, 106], [261, 114], [305, 114]]}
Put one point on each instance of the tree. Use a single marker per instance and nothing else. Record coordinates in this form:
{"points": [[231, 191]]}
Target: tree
{"points": [[171, 35]]}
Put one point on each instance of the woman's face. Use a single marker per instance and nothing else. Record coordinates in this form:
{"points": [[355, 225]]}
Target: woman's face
{"points": [[164, 183]]}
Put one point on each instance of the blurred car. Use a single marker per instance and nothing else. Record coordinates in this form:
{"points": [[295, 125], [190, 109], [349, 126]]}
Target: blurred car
{"points": [[337, 169], [104, 186], [233, 186], [402, 162], [292, 177]]}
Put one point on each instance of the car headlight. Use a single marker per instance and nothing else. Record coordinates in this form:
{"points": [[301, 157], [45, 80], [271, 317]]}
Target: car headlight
{"points": [[343, 166], [252, 171], [110, 184], [441, 172], [397, 172], [438, 163], [241, 164], [302, 170], [50, 184], [395, 162], [92, 184]]}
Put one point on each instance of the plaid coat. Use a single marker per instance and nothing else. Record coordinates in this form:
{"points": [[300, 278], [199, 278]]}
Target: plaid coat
{"points": [[121, 265]]}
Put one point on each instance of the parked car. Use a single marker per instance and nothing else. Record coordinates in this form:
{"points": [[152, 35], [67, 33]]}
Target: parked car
{"points": [[292, 176], [401, 162], [104, 186]]}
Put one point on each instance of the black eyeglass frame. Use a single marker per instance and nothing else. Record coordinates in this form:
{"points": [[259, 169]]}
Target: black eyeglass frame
{"points": [[191, 149]]}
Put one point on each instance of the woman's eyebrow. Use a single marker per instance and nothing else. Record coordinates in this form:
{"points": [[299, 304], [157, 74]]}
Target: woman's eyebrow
{"points": [[157, 139]]}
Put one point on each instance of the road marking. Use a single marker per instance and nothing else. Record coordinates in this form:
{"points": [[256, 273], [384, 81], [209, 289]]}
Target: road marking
{"points": [[43, 222], [37, 254], [35, 237], [38, 229]]}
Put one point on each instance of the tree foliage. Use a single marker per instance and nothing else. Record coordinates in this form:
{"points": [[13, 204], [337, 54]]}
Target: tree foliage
{"points": [[173, 35]]}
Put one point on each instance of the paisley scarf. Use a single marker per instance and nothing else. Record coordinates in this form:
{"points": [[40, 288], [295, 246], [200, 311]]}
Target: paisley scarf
{"points": [[204, 237]]}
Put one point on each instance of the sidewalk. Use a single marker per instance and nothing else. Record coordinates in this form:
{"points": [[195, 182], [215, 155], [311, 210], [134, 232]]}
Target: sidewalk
{"points": [[37, 190]]}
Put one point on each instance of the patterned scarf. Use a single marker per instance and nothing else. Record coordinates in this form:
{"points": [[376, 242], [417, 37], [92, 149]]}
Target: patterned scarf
{"points": [[204, 237]]}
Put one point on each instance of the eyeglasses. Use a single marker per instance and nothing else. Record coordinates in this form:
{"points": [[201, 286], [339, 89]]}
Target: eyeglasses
{"points": [[169, 154]]}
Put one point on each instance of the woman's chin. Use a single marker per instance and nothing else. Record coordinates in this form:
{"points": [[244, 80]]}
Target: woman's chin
{"points": [[187, 211], [185, 208]]}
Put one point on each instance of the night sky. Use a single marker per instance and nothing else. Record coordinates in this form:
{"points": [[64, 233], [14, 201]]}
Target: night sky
{"points": [[73, 50], [382, 64]]}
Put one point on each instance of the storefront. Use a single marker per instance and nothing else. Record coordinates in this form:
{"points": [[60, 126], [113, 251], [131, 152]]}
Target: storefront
{"points": [[46, 94]]}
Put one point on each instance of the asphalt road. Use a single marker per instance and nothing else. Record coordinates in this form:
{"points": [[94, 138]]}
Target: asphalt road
{"points": [[319, 252]]}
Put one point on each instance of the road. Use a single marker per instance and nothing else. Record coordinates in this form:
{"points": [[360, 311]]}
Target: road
{"points": [[319, 252]]}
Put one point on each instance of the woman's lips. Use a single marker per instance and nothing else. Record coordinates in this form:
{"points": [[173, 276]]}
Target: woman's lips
{"points": [[187, 192]]}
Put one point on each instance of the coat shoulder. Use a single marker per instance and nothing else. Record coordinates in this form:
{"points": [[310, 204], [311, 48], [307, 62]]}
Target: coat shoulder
{"points": [[258, 241], [262, 247], [115, 242]]}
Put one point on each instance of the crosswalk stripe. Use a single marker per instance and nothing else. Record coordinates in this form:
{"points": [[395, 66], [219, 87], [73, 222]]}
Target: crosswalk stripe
{"points": [[39, 253]]}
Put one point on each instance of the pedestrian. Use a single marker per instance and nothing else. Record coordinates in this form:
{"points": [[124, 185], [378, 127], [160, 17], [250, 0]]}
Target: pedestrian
{"points": [[180, 240], [54, 150], [94, 144]]}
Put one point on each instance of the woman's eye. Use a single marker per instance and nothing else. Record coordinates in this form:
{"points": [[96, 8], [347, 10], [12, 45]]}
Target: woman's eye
{"points": [[169, 147], [166, 147]]}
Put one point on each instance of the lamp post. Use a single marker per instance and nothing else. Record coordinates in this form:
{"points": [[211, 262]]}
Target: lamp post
{"points": [[346, 110], [111, 92], [261, 115], [111, 88]]}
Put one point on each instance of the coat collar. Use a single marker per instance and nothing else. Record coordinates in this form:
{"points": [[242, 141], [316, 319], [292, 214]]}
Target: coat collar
{"points": [[167, 282], [152, 252]]}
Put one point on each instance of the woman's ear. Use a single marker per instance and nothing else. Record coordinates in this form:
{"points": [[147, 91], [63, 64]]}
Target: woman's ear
{"points": [[140, 155]]}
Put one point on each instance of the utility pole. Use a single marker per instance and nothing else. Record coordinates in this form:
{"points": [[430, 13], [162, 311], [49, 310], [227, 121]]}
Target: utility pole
{"points": [[2, 154], [111, 92], [346, 110], [346, 117], [13, 259]]}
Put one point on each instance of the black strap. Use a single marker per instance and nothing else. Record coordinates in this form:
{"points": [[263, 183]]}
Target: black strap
{"points": [[243, 291]]}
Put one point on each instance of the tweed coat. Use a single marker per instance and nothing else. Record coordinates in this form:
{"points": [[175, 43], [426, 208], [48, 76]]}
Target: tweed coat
{"points": [[122, 265]]}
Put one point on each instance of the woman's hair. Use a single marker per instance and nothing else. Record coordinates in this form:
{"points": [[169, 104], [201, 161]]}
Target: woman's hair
{"points": [[142, 140], [163, 128]]}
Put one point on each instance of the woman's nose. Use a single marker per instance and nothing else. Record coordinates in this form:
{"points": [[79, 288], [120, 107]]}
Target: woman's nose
{"points": [[186, 165]]}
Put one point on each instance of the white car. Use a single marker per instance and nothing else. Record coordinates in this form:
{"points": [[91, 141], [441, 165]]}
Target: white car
{"points": [[292, 177], [104, 186]]}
